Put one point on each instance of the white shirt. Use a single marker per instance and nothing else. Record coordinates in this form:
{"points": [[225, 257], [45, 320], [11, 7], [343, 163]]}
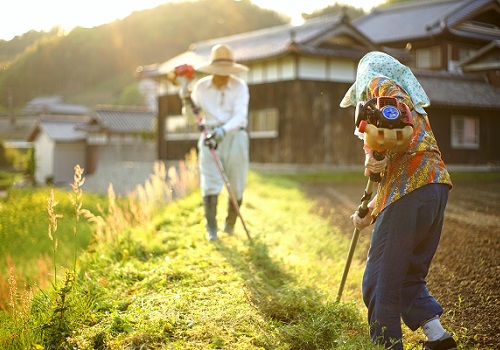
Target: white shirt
{"points": [[227, 106]]}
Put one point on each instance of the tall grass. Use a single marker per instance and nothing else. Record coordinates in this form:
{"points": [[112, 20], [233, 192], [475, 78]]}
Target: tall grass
{"points": [[48, 323]]}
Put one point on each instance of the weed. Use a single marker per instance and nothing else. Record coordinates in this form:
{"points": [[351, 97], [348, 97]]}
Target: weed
{"points": [[77, 202], [52, 228]]}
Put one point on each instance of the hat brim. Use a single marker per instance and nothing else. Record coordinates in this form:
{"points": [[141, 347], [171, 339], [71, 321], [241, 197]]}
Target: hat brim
{"points": [[221, 68]]}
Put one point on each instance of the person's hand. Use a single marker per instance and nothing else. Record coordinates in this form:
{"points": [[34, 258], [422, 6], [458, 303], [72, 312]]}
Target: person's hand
{"points": [[214, 138], [361, 223], [184, 93], [372, 165], [218, 134], [210, 142]]}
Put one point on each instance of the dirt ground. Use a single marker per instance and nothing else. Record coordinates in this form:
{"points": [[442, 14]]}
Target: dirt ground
{"points": [[465, 272]]}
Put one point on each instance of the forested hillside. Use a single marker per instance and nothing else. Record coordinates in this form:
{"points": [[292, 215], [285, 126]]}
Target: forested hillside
{"points": [[70, 65]]}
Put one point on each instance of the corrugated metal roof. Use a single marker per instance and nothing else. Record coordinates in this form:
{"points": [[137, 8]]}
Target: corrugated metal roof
{"points": [[458, 90], [126, 120], [419, 19]]}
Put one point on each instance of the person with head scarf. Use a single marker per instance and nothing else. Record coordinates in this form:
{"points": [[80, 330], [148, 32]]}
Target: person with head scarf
{"points": [[222, 98], [407, 212]]}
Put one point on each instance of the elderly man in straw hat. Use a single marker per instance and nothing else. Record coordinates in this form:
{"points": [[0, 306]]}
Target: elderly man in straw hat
{"points": [[223, 98]]}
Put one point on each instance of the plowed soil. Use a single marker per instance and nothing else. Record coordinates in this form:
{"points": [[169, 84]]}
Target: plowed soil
{"points": [[465, 273]]}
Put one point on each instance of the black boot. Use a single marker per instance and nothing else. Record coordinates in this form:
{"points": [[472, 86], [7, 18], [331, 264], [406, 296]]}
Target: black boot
{"points": [[210, 204], [231, 216]]}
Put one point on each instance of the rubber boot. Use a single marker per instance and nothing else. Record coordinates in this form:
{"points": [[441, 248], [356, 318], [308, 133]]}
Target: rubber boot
{"points": [[210, 204], [231, 216]]}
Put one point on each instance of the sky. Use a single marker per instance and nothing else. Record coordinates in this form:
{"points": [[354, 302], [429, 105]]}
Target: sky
{"points": [[21, 16]]}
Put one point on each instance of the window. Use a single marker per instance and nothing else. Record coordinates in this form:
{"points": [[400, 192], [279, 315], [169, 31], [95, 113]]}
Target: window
{"points": [[465, 132], [464, 53], [263, 123], [428, 58]]}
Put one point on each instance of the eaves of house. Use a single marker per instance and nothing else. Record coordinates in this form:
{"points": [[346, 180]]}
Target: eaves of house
{"points": [[125, 120], [458, 91], [426, 19], [486, 58]]}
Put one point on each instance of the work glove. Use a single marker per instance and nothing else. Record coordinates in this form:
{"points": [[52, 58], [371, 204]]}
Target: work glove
{"points": [[361, 223], [372, 165], [215, 137], [184, 94]]}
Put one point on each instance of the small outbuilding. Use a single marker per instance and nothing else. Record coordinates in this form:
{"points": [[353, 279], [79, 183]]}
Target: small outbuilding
{"points": [[59, 146]]}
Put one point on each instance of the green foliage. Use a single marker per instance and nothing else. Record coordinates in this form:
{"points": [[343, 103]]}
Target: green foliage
{"points": [[351, 12], [7, 178], [30, 163], [9, 49], [131, 96], [3, 157], [23, 228], [12, 159], [392, 2]]}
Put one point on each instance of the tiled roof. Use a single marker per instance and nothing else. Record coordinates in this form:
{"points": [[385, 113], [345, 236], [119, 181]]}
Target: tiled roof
{"points": [[270, 42], [419, 19], [124, 120], [61, 130], [274, 42], [448, 90], [53, 105]]}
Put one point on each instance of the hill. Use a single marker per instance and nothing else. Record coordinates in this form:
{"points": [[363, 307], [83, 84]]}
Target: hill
{"points": [[106, 56]]}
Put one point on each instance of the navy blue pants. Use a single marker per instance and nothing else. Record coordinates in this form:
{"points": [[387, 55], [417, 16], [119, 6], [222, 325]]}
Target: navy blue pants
{"points": [[405, 237]]}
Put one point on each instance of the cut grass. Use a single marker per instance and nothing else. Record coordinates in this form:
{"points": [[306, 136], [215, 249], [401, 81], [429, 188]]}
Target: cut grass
{"points": [[163, 286]]}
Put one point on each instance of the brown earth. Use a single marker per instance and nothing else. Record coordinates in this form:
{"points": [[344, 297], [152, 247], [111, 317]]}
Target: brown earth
{"points": [[465, 273]]}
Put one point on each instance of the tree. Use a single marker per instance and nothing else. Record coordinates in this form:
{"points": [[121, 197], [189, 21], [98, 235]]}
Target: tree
{"points": [[351, 12]]}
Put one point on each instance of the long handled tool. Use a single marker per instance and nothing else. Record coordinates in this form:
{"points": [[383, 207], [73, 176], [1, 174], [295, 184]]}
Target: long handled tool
{"points": [[362, 212], [182, 75]]}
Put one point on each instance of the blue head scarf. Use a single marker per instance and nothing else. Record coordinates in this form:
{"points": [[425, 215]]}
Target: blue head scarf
{"points": [[378, 64]]}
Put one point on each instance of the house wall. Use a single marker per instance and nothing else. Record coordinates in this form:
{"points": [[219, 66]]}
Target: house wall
{"points": [[44, 157], [66, 157], [301, 67], [489, 124], [290, 68], [313, 129], [110, 148]]}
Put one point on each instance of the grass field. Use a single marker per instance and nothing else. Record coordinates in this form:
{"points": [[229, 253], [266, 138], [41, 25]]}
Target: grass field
{"points": [[154, 282], [160, 285]]}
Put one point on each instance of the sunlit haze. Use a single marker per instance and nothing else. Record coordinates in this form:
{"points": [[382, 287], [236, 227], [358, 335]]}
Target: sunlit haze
{"points": [[21, 16]]}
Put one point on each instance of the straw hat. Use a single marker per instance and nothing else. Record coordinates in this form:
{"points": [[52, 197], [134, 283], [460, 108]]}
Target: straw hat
{"points": [[221, 62]]}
